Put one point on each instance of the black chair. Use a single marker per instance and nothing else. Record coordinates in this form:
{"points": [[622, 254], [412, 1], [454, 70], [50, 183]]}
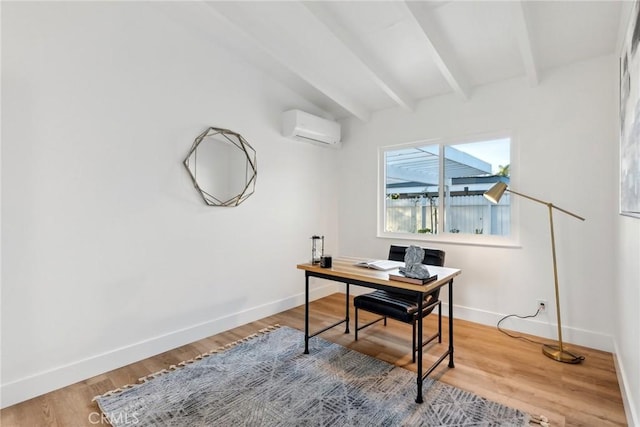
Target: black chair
{"points": [[402, 307]]}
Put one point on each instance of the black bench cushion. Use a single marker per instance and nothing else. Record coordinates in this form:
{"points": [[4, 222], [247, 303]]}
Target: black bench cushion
{"points": [[396, 306]]}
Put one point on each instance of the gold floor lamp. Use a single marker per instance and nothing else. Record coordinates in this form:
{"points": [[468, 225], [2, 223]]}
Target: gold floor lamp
{"points": [[557, 353]]}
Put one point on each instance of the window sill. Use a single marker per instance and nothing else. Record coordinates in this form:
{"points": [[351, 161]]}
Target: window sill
{"points": [[457, 239]]}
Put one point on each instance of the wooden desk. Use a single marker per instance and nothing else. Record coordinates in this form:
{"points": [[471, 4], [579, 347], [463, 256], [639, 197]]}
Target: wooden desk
{"points": [[344, 270]]}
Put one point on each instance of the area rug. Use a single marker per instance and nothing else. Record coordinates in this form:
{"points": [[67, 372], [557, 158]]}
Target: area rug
{"points": [[266, 380]]}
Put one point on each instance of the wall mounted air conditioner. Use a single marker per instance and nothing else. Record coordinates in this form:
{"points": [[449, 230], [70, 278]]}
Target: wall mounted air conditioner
{"points": [[307, 127]]}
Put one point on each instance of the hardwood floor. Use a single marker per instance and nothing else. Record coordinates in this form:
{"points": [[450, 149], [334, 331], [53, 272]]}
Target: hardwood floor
{"points": [[488, 363]]}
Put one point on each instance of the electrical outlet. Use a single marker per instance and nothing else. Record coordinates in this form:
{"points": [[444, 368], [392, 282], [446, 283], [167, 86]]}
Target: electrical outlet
{"points": [[542, 304]]}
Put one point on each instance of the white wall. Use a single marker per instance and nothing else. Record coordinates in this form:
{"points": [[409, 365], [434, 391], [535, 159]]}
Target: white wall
{"points": [[627, 290], [108, 253], [626, 315], [566, 131]]}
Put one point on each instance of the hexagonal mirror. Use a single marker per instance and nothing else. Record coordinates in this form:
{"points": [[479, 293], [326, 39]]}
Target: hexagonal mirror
{"points": [[222, 166]]}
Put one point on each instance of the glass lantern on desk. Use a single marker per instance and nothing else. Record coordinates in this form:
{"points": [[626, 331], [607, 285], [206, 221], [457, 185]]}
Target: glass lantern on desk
{"points": [[317, 249]]}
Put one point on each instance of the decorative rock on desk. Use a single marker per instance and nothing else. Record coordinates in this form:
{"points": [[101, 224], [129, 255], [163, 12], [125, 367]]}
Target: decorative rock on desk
{"points": [[414, 267]]}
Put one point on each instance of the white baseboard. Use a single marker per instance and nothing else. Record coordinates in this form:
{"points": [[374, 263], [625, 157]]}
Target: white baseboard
{"points": [[62, 376], [541, 327], [631, 406]]}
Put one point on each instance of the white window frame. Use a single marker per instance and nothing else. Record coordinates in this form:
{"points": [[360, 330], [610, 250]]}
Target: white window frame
{"points": [[512, 240]]}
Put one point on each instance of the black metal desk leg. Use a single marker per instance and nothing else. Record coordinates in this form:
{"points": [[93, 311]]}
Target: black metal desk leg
{"points": [[306, 313], [451, 365], [346, 317], [419, 396]]}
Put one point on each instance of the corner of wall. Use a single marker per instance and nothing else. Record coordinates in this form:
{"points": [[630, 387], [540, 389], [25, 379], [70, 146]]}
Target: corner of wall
{"points": [[630, 410]]}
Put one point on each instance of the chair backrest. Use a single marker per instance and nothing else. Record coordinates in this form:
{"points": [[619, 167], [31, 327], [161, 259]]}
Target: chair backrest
{"points": [[431, 256]]}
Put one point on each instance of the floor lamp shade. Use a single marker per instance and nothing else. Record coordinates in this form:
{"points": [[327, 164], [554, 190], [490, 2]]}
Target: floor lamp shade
{"points": [[558, 353], [494, 194]]}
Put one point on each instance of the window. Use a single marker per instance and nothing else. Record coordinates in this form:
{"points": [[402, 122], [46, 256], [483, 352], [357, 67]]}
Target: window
{"points": [[436, 188]]}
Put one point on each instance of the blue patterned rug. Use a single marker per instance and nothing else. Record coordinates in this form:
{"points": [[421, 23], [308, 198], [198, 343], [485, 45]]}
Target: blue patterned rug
{"points": [[266, 380]]}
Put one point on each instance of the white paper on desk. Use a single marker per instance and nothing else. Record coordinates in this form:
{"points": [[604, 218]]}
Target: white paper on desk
{"points": [[380, 264]]}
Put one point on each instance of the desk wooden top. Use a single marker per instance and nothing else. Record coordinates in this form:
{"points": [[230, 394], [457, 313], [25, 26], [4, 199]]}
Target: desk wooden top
{"points": [[344, 267]]}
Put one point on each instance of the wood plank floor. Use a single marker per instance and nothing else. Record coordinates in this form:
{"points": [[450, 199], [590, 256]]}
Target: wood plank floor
{"points": [[488, 363]]}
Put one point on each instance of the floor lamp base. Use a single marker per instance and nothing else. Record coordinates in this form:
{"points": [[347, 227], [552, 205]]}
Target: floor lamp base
{"points": [[553, 352]]}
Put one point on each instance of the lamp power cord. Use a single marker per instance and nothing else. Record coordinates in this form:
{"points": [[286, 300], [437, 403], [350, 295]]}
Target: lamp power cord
{"points": [[520, 337]]}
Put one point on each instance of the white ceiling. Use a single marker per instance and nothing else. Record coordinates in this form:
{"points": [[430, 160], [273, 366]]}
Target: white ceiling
{"points": [[351, 58]]}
